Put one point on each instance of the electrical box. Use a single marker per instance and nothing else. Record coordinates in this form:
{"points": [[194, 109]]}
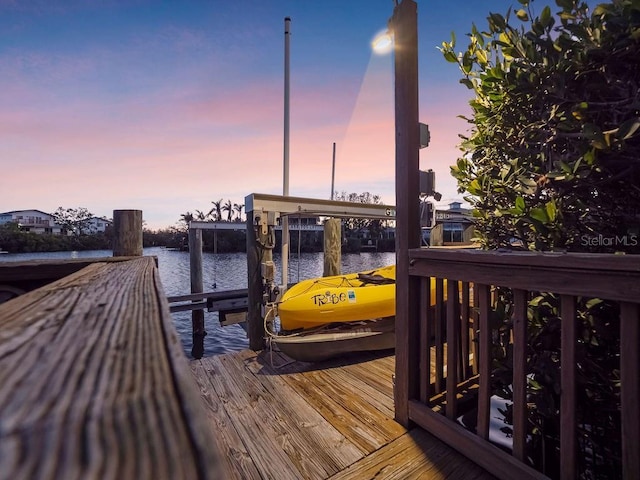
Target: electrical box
{"points": [[426, 214], [427, 182]]}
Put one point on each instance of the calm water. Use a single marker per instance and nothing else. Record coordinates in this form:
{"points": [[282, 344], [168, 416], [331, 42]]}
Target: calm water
{"points": [[226, 271]]}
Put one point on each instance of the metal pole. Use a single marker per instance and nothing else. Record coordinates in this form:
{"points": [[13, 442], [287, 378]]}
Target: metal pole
{"points": [[285, 182], [333, 171]]}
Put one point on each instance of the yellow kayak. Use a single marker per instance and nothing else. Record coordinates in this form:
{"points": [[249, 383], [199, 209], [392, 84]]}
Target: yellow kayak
{"points": [[341, 298]]}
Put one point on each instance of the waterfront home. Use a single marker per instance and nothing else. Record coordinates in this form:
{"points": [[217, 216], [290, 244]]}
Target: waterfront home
{"points": [[34, 221]]}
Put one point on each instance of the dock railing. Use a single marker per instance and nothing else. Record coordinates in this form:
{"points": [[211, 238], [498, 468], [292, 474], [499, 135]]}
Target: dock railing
{"points": [[449, 349]]}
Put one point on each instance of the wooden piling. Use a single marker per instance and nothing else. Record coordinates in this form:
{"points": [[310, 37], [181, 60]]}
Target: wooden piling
{"points": [[257, 254], [197, 286], [127, 233], [332, 247]]}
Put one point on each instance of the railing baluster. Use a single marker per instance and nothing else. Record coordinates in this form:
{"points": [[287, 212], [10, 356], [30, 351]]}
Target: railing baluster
{"points": [[464, 324], [482, 294], [439, 340], [453, 335], [630, 387], [426, 330], [568, 401], [519, 373], [476, 320]]}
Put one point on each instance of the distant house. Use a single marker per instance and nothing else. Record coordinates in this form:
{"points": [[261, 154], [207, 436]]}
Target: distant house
{"points": [[452, 226], [98, 225], [34, 221]]}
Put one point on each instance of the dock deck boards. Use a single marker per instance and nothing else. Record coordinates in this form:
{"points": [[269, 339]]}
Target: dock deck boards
{"points": [[331, 420]]}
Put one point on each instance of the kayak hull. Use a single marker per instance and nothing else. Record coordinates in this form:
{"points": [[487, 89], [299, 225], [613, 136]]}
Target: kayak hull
{"points": [[342, 298], [334, 341]]}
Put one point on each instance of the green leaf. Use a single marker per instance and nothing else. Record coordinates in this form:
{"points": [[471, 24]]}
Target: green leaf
{"points": [[468, 83], [496, 20], [474, 188], [628, 128], [539, 214], [545, 17], [449, 56], [522, 15], [520, 204], [593, 302], [551, 209]]}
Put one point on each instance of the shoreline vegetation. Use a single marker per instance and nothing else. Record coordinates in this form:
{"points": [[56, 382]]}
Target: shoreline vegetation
{"points": [[13, 240], [357, 234]]}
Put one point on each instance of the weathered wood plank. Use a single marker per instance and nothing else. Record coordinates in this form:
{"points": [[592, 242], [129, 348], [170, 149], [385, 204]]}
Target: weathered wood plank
{"points": [[236, 462], [353, 416], [415, 454], [92, 381], [313, 444], [333, 448], [258, 436]]}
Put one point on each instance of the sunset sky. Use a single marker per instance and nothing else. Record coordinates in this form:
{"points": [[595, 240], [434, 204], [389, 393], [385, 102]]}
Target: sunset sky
{"points": [[165, 106]]}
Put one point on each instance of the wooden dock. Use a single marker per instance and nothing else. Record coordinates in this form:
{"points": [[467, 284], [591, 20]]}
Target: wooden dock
{"points": [[330, 420], [94, 384]]}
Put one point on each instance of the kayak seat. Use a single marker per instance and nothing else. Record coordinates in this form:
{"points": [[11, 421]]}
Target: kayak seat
{"points": [[367, 278]]}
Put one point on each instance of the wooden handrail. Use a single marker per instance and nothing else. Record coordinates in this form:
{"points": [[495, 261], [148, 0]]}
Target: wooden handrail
{"points": [[569, 275]]}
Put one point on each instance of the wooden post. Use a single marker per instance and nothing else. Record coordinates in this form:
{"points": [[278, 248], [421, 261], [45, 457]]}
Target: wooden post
{"points": [[404, 25], [197, 286], [332, 247], [127, 233], [256, 255]]}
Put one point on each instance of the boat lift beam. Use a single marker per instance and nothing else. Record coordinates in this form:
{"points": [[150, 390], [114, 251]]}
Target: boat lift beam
{"points": [[289, 206]]}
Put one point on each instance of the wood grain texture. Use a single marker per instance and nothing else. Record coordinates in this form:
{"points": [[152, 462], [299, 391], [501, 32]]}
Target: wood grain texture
{"points": [[334, 419], [404, 24], [94, 384], [591, 275]]}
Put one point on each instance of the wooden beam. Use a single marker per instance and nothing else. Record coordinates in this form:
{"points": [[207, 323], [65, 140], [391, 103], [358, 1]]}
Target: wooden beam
{"points": [[405, 27]]}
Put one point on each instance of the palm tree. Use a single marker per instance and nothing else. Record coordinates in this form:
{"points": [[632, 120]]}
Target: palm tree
{"points": [[186, 218], [228, 207], [238, 208], [216, 211], [200, 216]]}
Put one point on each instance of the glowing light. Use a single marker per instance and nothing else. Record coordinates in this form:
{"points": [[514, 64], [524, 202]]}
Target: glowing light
{"points": [[382, 43]]}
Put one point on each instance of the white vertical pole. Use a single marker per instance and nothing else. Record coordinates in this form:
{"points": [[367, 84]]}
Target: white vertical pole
{"points": [[285, 182], [333, 171]]}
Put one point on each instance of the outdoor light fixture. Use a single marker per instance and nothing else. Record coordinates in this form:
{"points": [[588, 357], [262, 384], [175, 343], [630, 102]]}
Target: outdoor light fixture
{"points": [[382, 43]]}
